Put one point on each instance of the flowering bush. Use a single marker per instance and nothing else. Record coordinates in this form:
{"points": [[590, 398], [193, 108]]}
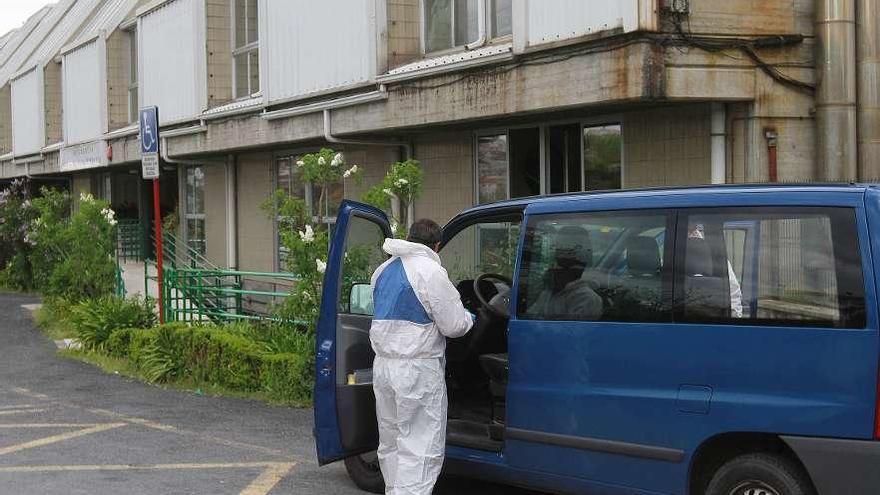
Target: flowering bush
{"points": [[16, 215], [304, 236], [396, 193]]}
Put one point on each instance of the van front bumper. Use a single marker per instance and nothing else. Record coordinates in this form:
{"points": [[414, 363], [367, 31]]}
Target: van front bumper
{"points": [[839, 466]]}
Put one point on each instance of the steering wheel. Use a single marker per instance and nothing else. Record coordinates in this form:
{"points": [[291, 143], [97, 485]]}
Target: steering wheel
{"points": [[499, 305]]}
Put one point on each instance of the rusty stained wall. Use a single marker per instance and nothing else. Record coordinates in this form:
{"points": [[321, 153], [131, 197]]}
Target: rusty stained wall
{"points": [[758, 17], [5, 119], [53, 106]]}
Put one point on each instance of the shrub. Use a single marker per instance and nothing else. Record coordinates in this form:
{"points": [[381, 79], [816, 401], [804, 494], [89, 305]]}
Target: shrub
{"points": [[94, 320], [118, 344], [288, 378], [16, 215]]}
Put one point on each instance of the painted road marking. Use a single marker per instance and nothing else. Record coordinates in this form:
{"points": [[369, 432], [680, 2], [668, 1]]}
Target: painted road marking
{"points": [[273, 472], [267, 480], [10, 412], [59, 438], [5, 426], [28, 393], [20, 406]]}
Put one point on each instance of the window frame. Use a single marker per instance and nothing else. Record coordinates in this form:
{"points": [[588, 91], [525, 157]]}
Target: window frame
{"points": [[247, 49], [835, 214], [543, 127], [198, 217], [133, 90]]}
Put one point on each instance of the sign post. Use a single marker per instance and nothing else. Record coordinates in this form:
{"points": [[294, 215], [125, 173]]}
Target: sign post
{"points": [[149, 132]]}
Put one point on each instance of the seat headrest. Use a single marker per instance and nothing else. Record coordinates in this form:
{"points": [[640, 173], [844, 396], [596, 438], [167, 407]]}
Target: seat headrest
{"points": [[643, 256], [698, 258]]}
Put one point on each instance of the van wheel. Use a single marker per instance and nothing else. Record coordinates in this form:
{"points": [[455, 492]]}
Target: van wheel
{"points": [[364, 471], [760, 474]]}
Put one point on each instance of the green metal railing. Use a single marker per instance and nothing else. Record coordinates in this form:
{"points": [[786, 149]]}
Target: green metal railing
{"points": [[220, 296], [130, 241]]}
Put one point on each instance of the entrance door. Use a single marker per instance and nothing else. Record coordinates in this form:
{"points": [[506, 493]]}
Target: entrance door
{"points": [[345, 409]]}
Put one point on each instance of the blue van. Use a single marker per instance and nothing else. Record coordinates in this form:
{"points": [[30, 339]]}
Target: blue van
{"points": [[711, 340]]}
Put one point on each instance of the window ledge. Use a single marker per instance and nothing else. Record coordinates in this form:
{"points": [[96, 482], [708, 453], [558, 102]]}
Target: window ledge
{"points": [[448, 63], [237, 107]]}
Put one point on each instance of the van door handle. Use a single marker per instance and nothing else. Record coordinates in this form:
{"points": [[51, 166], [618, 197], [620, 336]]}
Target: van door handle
{"points": [[694, 399]]}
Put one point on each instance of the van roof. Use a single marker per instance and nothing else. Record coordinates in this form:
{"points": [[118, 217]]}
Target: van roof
{"points": [[853, 188]]}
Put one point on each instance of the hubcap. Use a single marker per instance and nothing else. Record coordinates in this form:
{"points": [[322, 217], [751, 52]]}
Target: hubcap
{"points": [[753, 487]]}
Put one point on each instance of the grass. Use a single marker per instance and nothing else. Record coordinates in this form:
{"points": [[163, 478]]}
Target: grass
{"points": [[123, 367], [54, 325]]}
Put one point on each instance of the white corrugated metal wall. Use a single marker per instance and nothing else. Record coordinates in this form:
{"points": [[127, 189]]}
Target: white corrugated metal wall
{"points": [[554, 20], [27, 113], [308, 46], [172, 65], [83, 107]]}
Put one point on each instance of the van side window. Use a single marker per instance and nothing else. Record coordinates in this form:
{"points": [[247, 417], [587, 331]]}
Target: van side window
{"points": [[607, 266], [769, 266]]}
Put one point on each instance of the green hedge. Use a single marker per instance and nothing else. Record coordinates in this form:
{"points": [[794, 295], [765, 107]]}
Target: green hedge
{"points": [[214, 355]]}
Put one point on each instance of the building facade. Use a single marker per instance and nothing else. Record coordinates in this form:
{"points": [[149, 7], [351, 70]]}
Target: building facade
{"points": [[495, 98]]}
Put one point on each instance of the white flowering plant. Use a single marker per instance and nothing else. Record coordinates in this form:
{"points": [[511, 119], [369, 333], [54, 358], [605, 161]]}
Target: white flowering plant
{"points": [[16, 215], [402, 184], [322, 170]]}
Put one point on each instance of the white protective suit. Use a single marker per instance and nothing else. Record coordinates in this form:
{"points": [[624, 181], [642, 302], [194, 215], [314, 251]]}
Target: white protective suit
{"points": [[416, 308]]}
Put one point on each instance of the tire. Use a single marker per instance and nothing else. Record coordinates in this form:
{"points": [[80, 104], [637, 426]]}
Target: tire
{"points": [[760, 474], [364, 471]]}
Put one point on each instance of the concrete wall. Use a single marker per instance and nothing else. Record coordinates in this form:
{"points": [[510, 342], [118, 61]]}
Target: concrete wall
{"points": [[667, 146], [52, 103], [5, 119], [749, 17], [448, 163], [219, 54], [404, 24], [256, 230], [118, 75], [215, 214]]}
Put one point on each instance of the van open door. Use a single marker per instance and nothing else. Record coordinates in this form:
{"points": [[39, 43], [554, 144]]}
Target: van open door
{"points": [[345, 411]]}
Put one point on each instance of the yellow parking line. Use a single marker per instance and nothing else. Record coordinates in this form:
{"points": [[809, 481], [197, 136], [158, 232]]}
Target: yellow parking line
{"points": [[10, 412], [20, 406], [28, 393], [5, 426], [58, 438], [287, 466], [267, 480]]}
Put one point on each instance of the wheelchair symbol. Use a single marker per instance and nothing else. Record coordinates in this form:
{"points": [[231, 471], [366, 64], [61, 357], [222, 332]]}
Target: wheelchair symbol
{"points": [[148, 139]]}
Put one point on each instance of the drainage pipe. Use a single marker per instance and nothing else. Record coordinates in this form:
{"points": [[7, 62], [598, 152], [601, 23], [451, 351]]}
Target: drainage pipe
{"points": [[231, 213], [330, 138], [868, 54], [836, 122]]}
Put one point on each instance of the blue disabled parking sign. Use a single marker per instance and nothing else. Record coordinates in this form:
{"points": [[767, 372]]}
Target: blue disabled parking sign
{"points": [[149, 127]]}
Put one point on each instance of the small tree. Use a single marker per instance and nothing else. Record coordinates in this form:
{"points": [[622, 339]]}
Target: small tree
{"points": [[16, 215], [305, 235], [397, 192]]}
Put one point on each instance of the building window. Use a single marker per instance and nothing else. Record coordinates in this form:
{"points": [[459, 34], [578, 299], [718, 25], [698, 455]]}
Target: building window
{"points": [[195, 209], [245, 48], [603, 155], [287, 180], [548, 159], [133, 105], [453, 23]]}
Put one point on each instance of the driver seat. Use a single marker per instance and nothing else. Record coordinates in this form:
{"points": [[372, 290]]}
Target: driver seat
{"points": [[496, 368]]}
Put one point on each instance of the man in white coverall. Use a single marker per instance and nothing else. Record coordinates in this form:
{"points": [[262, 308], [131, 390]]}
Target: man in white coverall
{"points": [[416, 308]]}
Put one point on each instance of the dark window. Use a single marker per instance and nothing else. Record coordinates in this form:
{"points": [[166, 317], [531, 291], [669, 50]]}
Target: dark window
{"points": [[771, 266], [604, 266]]}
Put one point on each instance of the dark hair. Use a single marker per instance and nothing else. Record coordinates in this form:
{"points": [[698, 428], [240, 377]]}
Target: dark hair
{"points": [[425, 231]]}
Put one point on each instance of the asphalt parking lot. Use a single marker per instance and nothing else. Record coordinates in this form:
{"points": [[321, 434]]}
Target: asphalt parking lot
{"points": [[68, 428]]}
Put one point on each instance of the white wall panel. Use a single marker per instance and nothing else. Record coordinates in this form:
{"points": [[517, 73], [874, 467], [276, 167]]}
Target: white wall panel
{"points": [[310, 46], [83, 118], [172, 59], [555, 20], [27, 113]]}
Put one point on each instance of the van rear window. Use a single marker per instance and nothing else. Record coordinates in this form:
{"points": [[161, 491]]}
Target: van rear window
{"points": [[770, 266]]}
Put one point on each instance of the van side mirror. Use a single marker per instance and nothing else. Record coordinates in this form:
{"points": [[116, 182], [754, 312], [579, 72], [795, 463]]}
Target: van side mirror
{"points": [[360, 299]]}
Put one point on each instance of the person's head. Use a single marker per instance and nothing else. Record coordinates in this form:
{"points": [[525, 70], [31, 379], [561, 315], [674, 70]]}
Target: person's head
{"points": [[427, 232], [573, 248]]}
